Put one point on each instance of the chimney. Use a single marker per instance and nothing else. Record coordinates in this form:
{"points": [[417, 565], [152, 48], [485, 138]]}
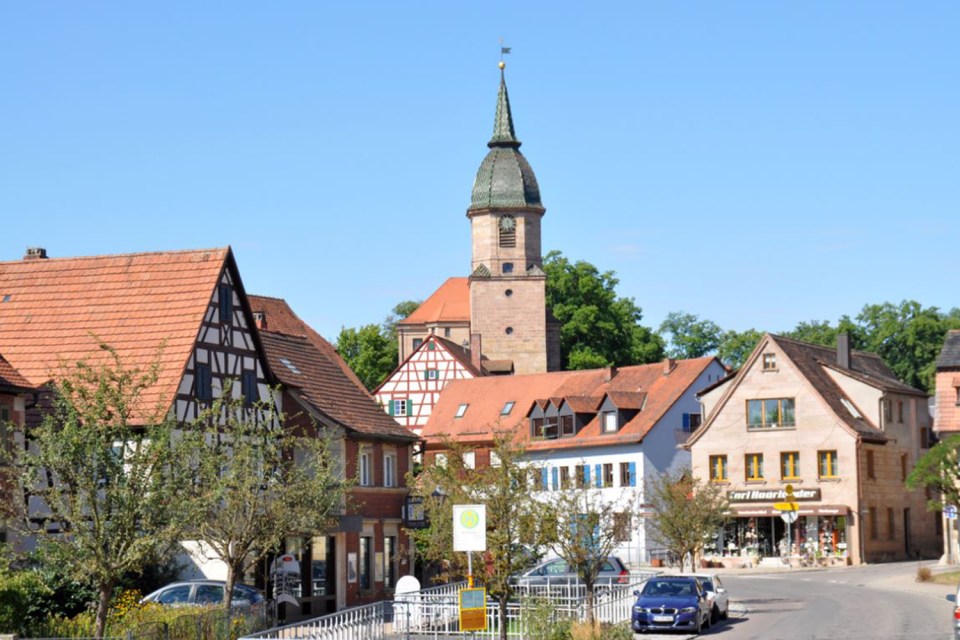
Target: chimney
{"points": [[843, 351], [475, 351], [668, 365], [35, 253], [612, 372], [260, 319]]}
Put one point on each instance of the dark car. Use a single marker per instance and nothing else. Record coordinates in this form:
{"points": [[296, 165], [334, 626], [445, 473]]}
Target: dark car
{"points": [[204, 592], [558, 572], [671, 603]]}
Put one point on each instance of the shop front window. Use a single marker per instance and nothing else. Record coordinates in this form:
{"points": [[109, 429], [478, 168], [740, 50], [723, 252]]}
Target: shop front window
{"points": [[323, 561]]}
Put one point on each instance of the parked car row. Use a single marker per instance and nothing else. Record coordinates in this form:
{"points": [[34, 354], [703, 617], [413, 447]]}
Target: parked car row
{"points": [[683, 603], [559, 572]]}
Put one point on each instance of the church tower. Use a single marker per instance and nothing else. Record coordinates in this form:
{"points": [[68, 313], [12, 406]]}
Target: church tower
{"points": [[509, 320]]}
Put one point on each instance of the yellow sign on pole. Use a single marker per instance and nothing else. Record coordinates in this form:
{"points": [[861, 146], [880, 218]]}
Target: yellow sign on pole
{"points": [[786, 506], [473, 609]]}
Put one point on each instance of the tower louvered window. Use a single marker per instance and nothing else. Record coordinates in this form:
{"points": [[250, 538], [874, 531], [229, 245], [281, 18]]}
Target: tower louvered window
{"points": [[508, 231]]}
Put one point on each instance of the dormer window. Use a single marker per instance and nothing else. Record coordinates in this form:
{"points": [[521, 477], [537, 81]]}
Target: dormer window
{"points": [[610, 423]]}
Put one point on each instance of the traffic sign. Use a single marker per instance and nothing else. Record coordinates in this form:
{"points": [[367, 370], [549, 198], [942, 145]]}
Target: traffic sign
{"points": [[469, 527], [786, 506], [950, 511], [473, 609], [789, 516]]}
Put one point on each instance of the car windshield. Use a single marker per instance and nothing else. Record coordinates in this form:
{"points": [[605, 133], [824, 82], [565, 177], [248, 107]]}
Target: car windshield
{"points": [[174, 595], [667, 588], [707, 585]]}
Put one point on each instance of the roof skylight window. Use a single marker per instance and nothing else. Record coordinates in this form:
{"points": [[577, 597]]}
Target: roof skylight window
{"points": [[6, 298], [507, 408], [290, 365], [462, 409], [852, 409]]}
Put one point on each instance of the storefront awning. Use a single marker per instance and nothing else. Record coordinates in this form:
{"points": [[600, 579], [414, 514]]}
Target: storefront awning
{"points": [[751, 511]]}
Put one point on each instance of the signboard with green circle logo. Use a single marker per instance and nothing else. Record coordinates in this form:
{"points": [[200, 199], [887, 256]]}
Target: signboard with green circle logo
{"points": [[469, 527]]}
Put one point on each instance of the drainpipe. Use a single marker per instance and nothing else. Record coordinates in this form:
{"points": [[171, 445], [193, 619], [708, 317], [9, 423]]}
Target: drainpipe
{"points": [[860, 526]]}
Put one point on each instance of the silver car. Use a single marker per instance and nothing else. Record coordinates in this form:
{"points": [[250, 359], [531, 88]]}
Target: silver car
{"points": [[204, 593], [716, 595], [558, 572]]}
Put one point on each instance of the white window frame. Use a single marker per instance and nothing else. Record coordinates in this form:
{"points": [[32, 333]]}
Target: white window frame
{"points": [[607, 417], [390, 469], [400, 407], [470, 460], [365, 469], [495, 459]]}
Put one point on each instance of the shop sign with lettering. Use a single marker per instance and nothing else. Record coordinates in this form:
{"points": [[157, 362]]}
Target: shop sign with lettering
{"points": [[772, 495]]}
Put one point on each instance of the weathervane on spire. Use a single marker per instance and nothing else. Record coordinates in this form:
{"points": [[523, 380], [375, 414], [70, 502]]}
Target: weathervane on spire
{"points": [[503, 51]]}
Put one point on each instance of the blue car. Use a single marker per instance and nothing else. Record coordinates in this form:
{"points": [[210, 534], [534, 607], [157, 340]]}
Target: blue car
{"points": [[671, 603]]}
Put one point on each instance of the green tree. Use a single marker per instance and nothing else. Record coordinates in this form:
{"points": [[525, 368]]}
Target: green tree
{"points": [[939, 469], [598, 328], [686, 513], [257, 481], [106, 469], [371, 351], [512, 514], [371, 354], [586, 533], [689, 336], [823, 333], [735, 346], [908, 337]]}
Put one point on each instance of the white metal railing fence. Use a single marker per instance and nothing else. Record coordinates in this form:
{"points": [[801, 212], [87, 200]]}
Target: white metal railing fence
{"points": [[358, 623]]}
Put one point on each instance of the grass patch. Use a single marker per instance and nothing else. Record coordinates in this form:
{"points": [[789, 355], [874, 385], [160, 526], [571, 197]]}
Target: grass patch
{"points": [[947, 577]]}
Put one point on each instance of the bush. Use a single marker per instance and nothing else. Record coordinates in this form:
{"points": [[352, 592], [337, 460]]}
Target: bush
{"points": [[18, 592], [542, 621], [924, 574]]}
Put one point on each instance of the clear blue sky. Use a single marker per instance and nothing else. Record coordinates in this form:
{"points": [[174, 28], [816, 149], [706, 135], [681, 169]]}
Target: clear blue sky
{"points": [[755, 163]]}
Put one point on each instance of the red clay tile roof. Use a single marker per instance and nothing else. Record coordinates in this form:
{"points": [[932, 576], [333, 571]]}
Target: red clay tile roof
{"points": [[449, 303], [11, 380], [60, 310], [486, 397], [318, 373]]}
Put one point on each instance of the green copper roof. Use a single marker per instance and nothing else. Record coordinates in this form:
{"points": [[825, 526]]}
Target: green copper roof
{"points": [[505, 179]]}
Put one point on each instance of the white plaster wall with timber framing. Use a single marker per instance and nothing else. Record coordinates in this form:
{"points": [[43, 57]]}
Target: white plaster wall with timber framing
{"points": [[417, 383], [225, 348]]}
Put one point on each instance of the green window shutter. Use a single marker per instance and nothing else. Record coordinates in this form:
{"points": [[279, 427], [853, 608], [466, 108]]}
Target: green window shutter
{"points": [[390, 407], [409, 407]]}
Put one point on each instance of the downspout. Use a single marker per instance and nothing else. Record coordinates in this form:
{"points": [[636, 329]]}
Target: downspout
{"points": [[860, 509]]}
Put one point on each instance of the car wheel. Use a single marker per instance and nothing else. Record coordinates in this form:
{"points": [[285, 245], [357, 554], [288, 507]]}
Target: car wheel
{"points": [[726, 613], [714, 615]]}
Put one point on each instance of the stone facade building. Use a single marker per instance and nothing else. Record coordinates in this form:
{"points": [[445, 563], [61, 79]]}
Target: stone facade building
{"points": [[841, 431]]}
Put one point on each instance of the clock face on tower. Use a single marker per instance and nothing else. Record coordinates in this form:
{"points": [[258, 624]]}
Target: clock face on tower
{"points": [[507, 223]]}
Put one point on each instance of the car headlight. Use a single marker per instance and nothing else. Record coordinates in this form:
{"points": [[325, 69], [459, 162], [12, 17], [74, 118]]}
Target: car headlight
{"points": [[688, 610], [640, 610]]}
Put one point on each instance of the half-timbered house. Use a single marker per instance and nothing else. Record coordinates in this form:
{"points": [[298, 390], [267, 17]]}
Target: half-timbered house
{"points": [[410, 392]]}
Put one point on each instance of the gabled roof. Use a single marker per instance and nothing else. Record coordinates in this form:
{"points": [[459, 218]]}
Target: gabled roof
{"points": [[627, 399], [10, 379], [305, 362], [582, 389], [813, 362], [949, 357], [460, 354], [60, 310], [449, 303]]}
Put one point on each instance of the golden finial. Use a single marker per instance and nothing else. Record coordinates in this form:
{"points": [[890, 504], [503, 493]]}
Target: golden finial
{"points": [[502, 64]]}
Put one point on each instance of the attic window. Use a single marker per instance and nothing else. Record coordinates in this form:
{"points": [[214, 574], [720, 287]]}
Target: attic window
{"points": [[610, 422], [852, 409], [462, 409], [507, 408], [290, 365], [6, 298], [769, 362]]}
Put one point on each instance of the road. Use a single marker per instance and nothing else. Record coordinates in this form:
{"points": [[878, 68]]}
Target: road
{"points": [[879, 602]]}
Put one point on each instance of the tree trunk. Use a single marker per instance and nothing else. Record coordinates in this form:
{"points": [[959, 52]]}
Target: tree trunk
{"points": [[103, 607], [503, 617], [590, 615], [228, 587]]}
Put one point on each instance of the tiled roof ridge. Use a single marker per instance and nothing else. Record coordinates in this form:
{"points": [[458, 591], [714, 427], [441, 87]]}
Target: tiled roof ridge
{"points": [[803, 343], [114, 255]]}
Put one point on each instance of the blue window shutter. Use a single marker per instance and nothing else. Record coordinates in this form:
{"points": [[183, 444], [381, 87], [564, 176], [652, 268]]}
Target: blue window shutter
{"points": [[633, 474], [556, 478], [599, 477], [686, 422], [586, 475], [546, 479]]}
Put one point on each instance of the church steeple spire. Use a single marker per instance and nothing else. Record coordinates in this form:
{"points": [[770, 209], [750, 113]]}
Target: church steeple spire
{"points": [[503, 133]]}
